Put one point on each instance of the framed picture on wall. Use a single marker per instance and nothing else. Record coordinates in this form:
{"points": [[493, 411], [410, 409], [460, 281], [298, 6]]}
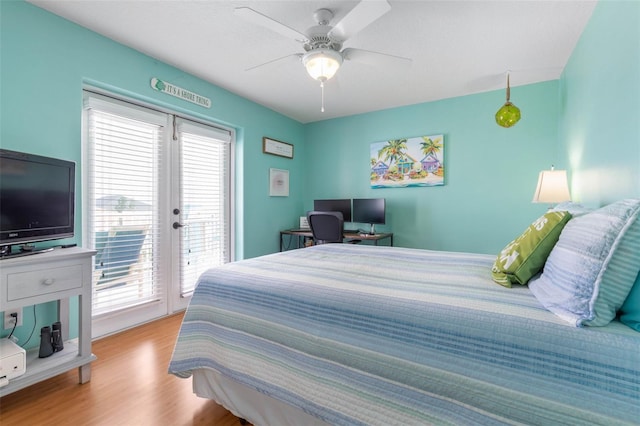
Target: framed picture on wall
{"points": [[274, 147], [278, 183], [406, 162]]}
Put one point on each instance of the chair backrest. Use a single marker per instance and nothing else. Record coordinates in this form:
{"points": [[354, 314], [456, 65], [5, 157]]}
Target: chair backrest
{"points": [[121, 251], [326, 227], [100, 244]]}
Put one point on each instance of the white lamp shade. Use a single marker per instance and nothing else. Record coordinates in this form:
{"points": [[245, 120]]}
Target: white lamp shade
{"points": [[322, 64], [552, 187]]}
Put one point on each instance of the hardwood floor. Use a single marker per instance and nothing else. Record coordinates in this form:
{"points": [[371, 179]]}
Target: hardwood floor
{"points": [[129, 386]]}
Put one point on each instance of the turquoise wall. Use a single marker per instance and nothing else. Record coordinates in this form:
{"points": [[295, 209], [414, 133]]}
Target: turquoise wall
{"points": [[586, 122], [600, 106], [46, 61], [490, 172]]}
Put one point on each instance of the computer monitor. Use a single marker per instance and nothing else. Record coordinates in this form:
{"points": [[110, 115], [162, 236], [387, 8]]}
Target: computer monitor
{"points": [[340, 205], [369, 210]]}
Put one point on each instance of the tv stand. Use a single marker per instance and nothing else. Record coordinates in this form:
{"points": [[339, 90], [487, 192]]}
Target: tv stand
{"points": [[58, 274], [372, 231]]}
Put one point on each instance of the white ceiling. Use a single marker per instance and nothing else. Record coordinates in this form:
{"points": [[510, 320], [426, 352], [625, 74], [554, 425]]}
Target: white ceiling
{"points": [[457, 47]]}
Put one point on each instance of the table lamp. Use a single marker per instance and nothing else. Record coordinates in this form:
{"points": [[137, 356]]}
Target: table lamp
{"points": [[552, 187]]}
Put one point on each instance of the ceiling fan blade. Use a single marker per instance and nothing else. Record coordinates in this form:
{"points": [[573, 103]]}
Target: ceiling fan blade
{"points": [[256, 17], [375, 58], [293, 55], [359, 17]]}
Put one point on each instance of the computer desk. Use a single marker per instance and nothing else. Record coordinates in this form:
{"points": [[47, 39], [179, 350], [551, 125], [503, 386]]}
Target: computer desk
{"points": [[301, 234]]}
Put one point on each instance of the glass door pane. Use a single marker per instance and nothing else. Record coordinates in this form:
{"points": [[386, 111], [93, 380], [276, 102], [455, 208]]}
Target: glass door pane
{"points": [[204, 205], [123, 152]]}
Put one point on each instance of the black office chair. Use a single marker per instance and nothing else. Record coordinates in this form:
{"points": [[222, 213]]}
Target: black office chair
{"points": [[326, 227]]}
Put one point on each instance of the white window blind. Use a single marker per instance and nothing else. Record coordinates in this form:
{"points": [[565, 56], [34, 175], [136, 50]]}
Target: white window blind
{"points": [[204, 194], [124, 156]]}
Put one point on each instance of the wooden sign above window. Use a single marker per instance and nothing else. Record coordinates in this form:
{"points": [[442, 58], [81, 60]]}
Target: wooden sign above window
{"points": [[179, 92]]}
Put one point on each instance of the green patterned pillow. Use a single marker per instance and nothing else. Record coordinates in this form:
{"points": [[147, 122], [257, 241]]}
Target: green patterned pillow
{"points": [[525, 256]]}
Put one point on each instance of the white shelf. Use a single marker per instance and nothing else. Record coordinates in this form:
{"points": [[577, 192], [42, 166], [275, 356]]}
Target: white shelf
{"points": [[56, 275], [39, 369]]}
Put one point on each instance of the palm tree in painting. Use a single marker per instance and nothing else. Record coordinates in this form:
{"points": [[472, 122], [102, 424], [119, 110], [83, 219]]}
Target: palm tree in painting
{"points": [[393, 150], [430, 147]]}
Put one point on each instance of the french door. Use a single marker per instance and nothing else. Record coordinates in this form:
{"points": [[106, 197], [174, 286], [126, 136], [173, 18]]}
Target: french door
{"points": [[157, 197]]}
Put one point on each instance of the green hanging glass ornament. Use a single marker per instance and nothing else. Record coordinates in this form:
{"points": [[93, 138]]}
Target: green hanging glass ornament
{"points": [[508, 114]]}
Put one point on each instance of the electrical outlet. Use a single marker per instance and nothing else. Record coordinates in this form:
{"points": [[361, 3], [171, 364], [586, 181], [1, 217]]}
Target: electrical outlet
{"points": [[9, 321]]}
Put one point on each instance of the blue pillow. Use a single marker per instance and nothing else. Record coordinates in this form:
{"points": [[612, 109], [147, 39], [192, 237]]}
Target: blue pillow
{"points": [[630, 311], [590, 271]]}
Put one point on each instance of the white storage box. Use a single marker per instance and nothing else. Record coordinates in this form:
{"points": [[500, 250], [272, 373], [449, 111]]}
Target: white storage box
{"points": [[13, 361]]}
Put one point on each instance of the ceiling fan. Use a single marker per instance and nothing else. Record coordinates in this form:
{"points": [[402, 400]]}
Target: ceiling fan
{"points": [[323, 42]]}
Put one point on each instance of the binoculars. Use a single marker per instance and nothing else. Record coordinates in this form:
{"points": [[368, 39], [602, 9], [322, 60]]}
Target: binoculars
{"points": [[50, 340]]}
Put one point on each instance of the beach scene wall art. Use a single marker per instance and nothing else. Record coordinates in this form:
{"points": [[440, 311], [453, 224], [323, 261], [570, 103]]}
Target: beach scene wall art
{"points": [[402, 163]]}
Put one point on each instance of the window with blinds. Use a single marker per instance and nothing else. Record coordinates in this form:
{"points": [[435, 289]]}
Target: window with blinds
{"points": [[204, 191], [124, 154], [145, 171]]}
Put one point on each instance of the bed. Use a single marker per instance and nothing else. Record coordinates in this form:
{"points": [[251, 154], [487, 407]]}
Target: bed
{"points": [[347, 334]]}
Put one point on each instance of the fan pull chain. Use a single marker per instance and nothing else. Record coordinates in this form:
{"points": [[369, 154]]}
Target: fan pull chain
{"points": [[322, 94]]}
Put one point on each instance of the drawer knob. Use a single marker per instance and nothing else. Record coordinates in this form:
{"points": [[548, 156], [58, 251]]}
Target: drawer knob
{"points": [[48, 281]]}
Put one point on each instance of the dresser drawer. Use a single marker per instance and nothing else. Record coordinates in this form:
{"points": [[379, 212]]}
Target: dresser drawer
{"points": [[22, 285]]}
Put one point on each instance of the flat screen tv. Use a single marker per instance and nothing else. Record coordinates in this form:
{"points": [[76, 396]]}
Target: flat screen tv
{"points": [[37, 199], [341, 205], [369, 210]]}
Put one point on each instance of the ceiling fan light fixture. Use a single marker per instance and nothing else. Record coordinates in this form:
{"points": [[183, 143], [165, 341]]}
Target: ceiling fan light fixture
{"points": [[322, 64]]}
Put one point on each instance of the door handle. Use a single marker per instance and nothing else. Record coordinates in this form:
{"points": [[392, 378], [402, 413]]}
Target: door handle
{"points": [[177, 225]]}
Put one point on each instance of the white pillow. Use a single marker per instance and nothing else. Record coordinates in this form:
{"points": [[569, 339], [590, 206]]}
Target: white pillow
{"points": [[592, 268], [575, 209]]}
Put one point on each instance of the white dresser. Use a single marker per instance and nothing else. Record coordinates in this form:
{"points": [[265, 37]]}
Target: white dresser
{"points": [[44, 277]]}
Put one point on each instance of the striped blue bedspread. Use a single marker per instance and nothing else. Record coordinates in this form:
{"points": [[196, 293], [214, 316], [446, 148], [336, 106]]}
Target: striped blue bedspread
{"points": [[365, 335]]}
